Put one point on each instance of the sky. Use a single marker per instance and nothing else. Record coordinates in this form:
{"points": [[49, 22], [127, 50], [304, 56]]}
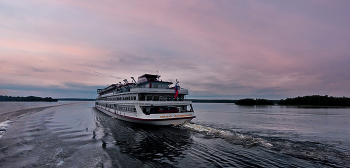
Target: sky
{"points": [[217, 49]]}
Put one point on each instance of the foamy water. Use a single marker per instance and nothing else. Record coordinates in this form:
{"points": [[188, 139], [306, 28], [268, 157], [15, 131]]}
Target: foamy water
{"points": [[3, 127], [236, 138]]}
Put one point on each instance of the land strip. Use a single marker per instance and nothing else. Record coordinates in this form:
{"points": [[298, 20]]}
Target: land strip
{"points": [[13, 114]]}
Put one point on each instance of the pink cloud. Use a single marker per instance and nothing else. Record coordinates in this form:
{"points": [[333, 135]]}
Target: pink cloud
{"points": [[44, 47], [250, 45]]}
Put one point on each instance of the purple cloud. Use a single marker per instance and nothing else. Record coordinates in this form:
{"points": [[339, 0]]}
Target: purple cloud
{"points": [[272, 49]]}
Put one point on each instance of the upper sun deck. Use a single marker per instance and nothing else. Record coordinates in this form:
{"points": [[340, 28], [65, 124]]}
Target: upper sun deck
{"points": [[146, 81]]}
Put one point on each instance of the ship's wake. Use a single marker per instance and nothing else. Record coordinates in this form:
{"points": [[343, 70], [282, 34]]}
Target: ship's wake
{"points": [[318, 152], [235, 138]]}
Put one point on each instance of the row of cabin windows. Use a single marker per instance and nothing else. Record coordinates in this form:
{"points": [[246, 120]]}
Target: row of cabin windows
{"points": [[126, 108], [118, 107], [146, 98], [155, 86], [161, 98], [119, 98]]}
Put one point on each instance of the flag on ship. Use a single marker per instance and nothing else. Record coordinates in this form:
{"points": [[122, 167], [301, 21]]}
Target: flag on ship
{"points": [[176, 90]]}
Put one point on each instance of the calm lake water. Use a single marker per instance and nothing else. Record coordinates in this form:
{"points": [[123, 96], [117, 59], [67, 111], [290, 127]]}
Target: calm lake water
{"points": [[222, 135]]}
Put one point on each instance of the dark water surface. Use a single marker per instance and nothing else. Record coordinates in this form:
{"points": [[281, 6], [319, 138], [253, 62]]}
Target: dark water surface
{"points": [[222, 135]]}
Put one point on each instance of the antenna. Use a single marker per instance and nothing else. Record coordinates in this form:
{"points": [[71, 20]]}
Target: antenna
{"points": [[133, 79], [126, 81]]}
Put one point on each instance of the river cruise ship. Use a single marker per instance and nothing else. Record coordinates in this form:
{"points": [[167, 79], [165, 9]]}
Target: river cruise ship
{"points": [[147, 101]]}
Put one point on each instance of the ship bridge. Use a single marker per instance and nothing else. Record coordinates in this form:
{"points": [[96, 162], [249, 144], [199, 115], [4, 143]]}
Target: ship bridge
{"points": [[152, 81]]}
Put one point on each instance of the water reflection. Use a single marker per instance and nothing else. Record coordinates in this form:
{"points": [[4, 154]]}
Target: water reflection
{"points": [[253, 106], [155, 144]]}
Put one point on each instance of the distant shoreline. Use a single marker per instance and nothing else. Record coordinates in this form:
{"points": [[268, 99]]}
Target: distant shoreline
{"points": [[26, 99]]}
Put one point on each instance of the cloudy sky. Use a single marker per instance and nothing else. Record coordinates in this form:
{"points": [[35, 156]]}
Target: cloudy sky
{"points": [[217, 49]]}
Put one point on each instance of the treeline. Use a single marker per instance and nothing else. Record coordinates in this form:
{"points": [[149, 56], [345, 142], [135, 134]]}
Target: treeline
{"points": [[28, 98], [316, 100], [254, 102]]}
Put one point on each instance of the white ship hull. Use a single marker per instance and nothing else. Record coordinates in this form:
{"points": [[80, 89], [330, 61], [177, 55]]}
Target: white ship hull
{"points": [[159, 119]]}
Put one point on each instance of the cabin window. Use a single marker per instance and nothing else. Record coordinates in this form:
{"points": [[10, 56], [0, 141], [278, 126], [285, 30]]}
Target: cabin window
{"points": [[142, 98], [156, 98], [155, 85], [149, 98]]}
